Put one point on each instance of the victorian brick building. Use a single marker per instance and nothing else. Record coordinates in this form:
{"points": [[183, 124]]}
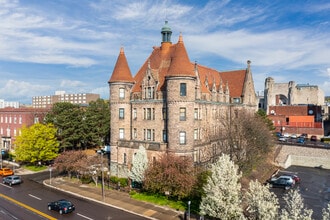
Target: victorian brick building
{"points": [[172, 104]]}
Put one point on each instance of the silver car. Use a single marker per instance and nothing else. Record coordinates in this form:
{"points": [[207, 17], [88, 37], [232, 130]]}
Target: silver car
{"points": [[12, 180]]}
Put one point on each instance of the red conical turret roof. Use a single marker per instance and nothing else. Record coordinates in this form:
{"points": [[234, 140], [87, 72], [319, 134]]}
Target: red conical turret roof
{"points": [[180, 64], [121, 72]]}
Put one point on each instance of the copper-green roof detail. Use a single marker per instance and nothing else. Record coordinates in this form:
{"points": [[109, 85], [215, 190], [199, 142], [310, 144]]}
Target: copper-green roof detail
{"points": [[121, 72], [166, 27]]}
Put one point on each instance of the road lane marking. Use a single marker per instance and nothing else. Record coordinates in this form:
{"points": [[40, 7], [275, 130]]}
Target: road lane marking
{"points": [[34, 196], [84, 216], [27, 207], [6, 185]]}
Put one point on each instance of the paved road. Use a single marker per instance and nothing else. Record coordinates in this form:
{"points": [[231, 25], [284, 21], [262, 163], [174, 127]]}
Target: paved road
{"points": [[32, 197], [314, 188]]}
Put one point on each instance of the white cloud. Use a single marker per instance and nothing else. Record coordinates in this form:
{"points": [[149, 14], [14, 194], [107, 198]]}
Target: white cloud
{"points": [[14, 89], [71, 83]]}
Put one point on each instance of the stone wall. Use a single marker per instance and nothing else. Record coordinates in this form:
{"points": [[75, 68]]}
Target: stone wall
{"points": [[303, 156]]}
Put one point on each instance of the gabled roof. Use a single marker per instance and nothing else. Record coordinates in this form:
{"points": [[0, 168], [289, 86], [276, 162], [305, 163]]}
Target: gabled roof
{"points": [[172, 60], [121, 72]]}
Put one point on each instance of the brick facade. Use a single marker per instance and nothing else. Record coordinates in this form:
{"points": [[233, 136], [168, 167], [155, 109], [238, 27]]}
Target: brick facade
{"points": [[13, 119], [172, 105]]}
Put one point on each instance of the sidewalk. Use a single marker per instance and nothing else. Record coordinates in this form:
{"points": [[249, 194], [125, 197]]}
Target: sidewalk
{"points": [[116, 199]]}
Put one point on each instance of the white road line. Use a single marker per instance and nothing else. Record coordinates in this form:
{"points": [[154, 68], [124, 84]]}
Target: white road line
{"points": [[84, 216], [6, 185], [34, 197]]}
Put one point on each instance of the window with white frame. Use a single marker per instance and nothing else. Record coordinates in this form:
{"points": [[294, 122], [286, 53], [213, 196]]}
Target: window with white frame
{"points": [[121, 113], [134, 113], [182, 114], [195, 134], [196, 113], [121, 93], [121, 133], [182, 137], [134, 133]]}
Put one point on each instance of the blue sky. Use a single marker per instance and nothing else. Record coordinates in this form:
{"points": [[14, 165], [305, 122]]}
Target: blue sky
{"points": [[72, 45]]}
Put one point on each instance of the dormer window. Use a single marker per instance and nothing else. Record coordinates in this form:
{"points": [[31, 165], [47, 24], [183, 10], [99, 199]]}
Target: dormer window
{"points": [[236, 100], [150, 93]]}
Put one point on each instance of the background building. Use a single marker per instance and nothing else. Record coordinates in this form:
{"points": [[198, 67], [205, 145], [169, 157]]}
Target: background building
{"points": [[290, 93], [13, 119], [294, 108], [4, 104], [173, 105], [61, 96]]}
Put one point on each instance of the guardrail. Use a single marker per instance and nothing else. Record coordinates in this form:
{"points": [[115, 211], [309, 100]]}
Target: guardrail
{"points": [[310, 144]]}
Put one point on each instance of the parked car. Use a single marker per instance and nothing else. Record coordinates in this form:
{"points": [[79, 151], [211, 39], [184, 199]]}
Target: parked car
{"points": [[304, 135], [295, 177], [313, 138], [12, 180], [301, 140], [285, 182], [294, 136], [63, 206], [282, 139], [6, 172]]}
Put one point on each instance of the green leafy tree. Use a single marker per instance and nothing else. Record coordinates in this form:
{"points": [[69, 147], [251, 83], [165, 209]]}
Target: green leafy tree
{"points": [[36, 143], [294, 208], [172, 174], [67, 118], [96, 123], [263, 115], [222, 198], [139, 165], [262, 204]]}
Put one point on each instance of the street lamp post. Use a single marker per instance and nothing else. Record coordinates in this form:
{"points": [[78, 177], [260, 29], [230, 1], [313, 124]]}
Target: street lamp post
{"points": [[189, 202], [102, 176], [50, 175]]}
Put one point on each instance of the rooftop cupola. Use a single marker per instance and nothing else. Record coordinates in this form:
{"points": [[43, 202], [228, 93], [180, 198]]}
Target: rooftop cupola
{"points": [[166, 33]]}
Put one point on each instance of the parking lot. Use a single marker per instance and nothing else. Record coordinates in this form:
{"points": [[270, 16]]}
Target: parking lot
{"points": [[314, 188]]}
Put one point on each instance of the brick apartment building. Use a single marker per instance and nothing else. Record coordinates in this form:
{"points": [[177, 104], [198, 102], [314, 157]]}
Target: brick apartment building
{"points": [[172, 105], [13, 119], [61, 96]]}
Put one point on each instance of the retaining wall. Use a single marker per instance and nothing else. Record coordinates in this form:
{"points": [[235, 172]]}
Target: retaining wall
{"points": [[303, 156]]}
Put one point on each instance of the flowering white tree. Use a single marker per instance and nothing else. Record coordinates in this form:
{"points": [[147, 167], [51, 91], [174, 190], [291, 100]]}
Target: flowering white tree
{"points": [[294, 208], [223, 191], [139, 165], [262, 204], [326, 213]]}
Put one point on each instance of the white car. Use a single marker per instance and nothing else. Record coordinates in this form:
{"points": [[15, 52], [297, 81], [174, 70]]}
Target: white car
{"points": [[12, 180], [282, 138]]}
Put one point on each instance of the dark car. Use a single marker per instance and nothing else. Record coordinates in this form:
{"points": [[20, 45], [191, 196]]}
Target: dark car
{"points": [[285, 182], [313, 138], [63, 206], [12, 180]]}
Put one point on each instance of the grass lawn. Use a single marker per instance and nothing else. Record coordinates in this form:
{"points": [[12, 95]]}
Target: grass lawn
{"points": [[159, 200], [35, 168]]}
